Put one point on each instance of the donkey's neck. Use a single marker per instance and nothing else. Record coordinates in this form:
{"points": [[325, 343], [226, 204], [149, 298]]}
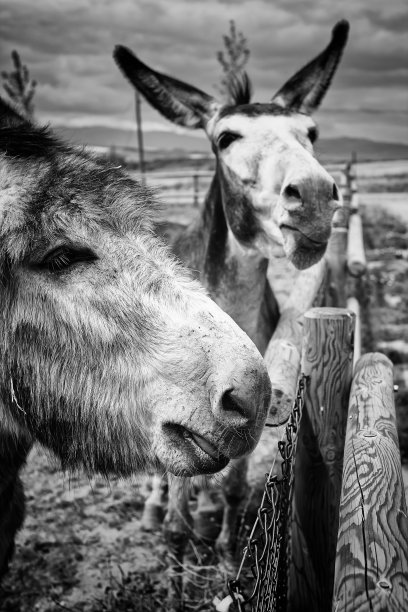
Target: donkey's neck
{"points": [[235, 276]]}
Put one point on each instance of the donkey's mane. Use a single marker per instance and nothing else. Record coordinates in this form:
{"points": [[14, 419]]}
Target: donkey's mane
{"points": [[255, 109], [239, 88], [29, 142]]}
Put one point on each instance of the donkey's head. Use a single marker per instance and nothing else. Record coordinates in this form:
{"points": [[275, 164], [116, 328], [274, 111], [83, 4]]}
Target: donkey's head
{"points": [[111, 355], [273, 189]]}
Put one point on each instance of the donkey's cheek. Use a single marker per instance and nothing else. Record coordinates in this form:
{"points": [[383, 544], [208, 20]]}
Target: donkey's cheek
{"points": [[242, 218]]}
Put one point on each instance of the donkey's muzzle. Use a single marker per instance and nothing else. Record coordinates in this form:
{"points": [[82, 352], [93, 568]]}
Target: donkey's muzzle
{"points": [[308, 192], [306, 206], [297, 195], [240, 406], [217, 405]]}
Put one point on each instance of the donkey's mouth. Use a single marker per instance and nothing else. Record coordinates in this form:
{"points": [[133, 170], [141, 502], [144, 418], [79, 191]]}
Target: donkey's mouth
{"points": [[202, 443], [305, 239], [204, 453], [302, 250]]}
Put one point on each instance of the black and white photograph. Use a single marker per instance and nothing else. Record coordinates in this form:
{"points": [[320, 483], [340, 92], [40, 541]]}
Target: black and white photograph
{"points": [[204, 330]]}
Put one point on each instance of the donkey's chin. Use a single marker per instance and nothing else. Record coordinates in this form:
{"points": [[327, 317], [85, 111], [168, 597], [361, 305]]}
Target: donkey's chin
{"points": [[185, 452], [301, 250]]}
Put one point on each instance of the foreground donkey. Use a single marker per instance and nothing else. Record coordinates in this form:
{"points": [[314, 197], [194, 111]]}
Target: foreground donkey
{"points": [[111, 356], [268, 188]]}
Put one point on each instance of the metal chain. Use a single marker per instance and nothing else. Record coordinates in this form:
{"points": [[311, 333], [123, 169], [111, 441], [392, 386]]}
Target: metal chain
{"points": [[261, 584]]}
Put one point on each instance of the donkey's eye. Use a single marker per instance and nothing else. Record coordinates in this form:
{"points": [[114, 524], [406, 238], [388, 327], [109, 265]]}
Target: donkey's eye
{"points": [[312, 134], [226, 138], [63, 257]]}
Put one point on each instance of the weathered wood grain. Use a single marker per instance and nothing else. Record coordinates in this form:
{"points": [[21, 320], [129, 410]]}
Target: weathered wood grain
{"points": [[337, 259], [372, 553], [304, 590], [327, 361]]}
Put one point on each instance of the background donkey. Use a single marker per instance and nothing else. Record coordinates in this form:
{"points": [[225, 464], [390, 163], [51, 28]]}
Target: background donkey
{"points": [[111, 356], [268, 188]]}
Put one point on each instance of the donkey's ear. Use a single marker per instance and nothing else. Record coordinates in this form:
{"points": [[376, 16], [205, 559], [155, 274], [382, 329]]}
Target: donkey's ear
{"points": [[9, 117], [181, 103], [306, 89]]}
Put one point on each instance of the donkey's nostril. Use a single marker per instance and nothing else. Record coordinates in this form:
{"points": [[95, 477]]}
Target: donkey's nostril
{"points": [[291, 191], [231, 405], [241, 396], [335, 192]]}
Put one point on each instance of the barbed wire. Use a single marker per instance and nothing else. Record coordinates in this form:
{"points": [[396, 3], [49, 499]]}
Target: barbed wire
{"points": [[261, 584]]}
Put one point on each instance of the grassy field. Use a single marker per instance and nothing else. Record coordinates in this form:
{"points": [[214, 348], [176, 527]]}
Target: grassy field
{"points": [[82, 548]]}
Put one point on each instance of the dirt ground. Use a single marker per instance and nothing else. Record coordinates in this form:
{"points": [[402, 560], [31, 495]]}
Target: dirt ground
{"points": [[82, 548]]}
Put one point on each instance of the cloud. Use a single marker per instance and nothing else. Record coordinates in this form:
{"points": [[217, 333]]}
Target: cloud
{"points": [[68, 48]]}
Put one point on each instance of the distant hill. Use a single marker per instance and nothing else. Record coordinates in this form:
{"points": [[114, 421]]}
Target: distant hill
{"points": [[156, 143], [366, 150], [165, 140]]}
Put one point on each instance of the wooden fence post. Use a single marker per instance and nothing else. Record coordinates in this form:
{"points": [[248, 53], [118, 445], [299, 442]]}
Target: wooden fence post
{"points": [[337, 250], [352, 182], [195, 187], [354, 305], [356, 263], [327, 360], [372, 553], [356, 259]]}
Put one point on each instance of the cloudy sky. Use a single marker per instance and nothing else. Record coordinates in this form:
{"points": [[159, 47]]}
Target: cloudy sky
{"points": [[68, 45]]}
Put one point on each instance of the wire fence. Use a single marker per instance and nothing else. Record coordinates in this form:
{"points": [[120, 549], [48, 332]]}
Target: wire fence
{"points": [[261, 584], [186, 187]]}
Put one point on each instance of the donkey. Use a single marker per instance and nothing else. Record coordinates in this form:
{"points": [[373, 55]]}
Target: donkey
{"points": [[268, 189], [112, 356]]}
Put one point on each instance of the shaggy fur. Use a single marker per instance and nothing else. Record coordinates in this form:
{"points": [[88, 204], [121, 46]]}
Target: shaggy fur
{"points": [[111, 355]]}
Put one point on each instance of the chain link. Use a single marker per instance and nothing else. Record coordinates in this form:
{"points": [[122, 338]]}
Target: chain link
{"points": [[265, 561]]}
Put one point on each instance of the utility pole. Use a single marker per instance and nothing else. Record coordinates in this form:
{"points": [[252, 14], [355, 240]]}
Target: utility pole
{"points": [[140, 135]]}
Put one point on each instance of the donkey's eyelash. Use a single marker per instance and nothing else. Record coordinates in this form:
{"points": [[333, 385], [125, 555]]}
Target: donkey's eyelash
{"points": [[227, 138], [313, 134], [63, 257]]}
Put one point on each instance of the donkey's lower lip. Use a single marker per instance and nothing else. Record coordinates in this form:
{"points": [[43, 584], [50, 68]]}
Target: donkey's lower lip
{"points": [[207, 455], [318, 243], [205, 446], [300, 249]]}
